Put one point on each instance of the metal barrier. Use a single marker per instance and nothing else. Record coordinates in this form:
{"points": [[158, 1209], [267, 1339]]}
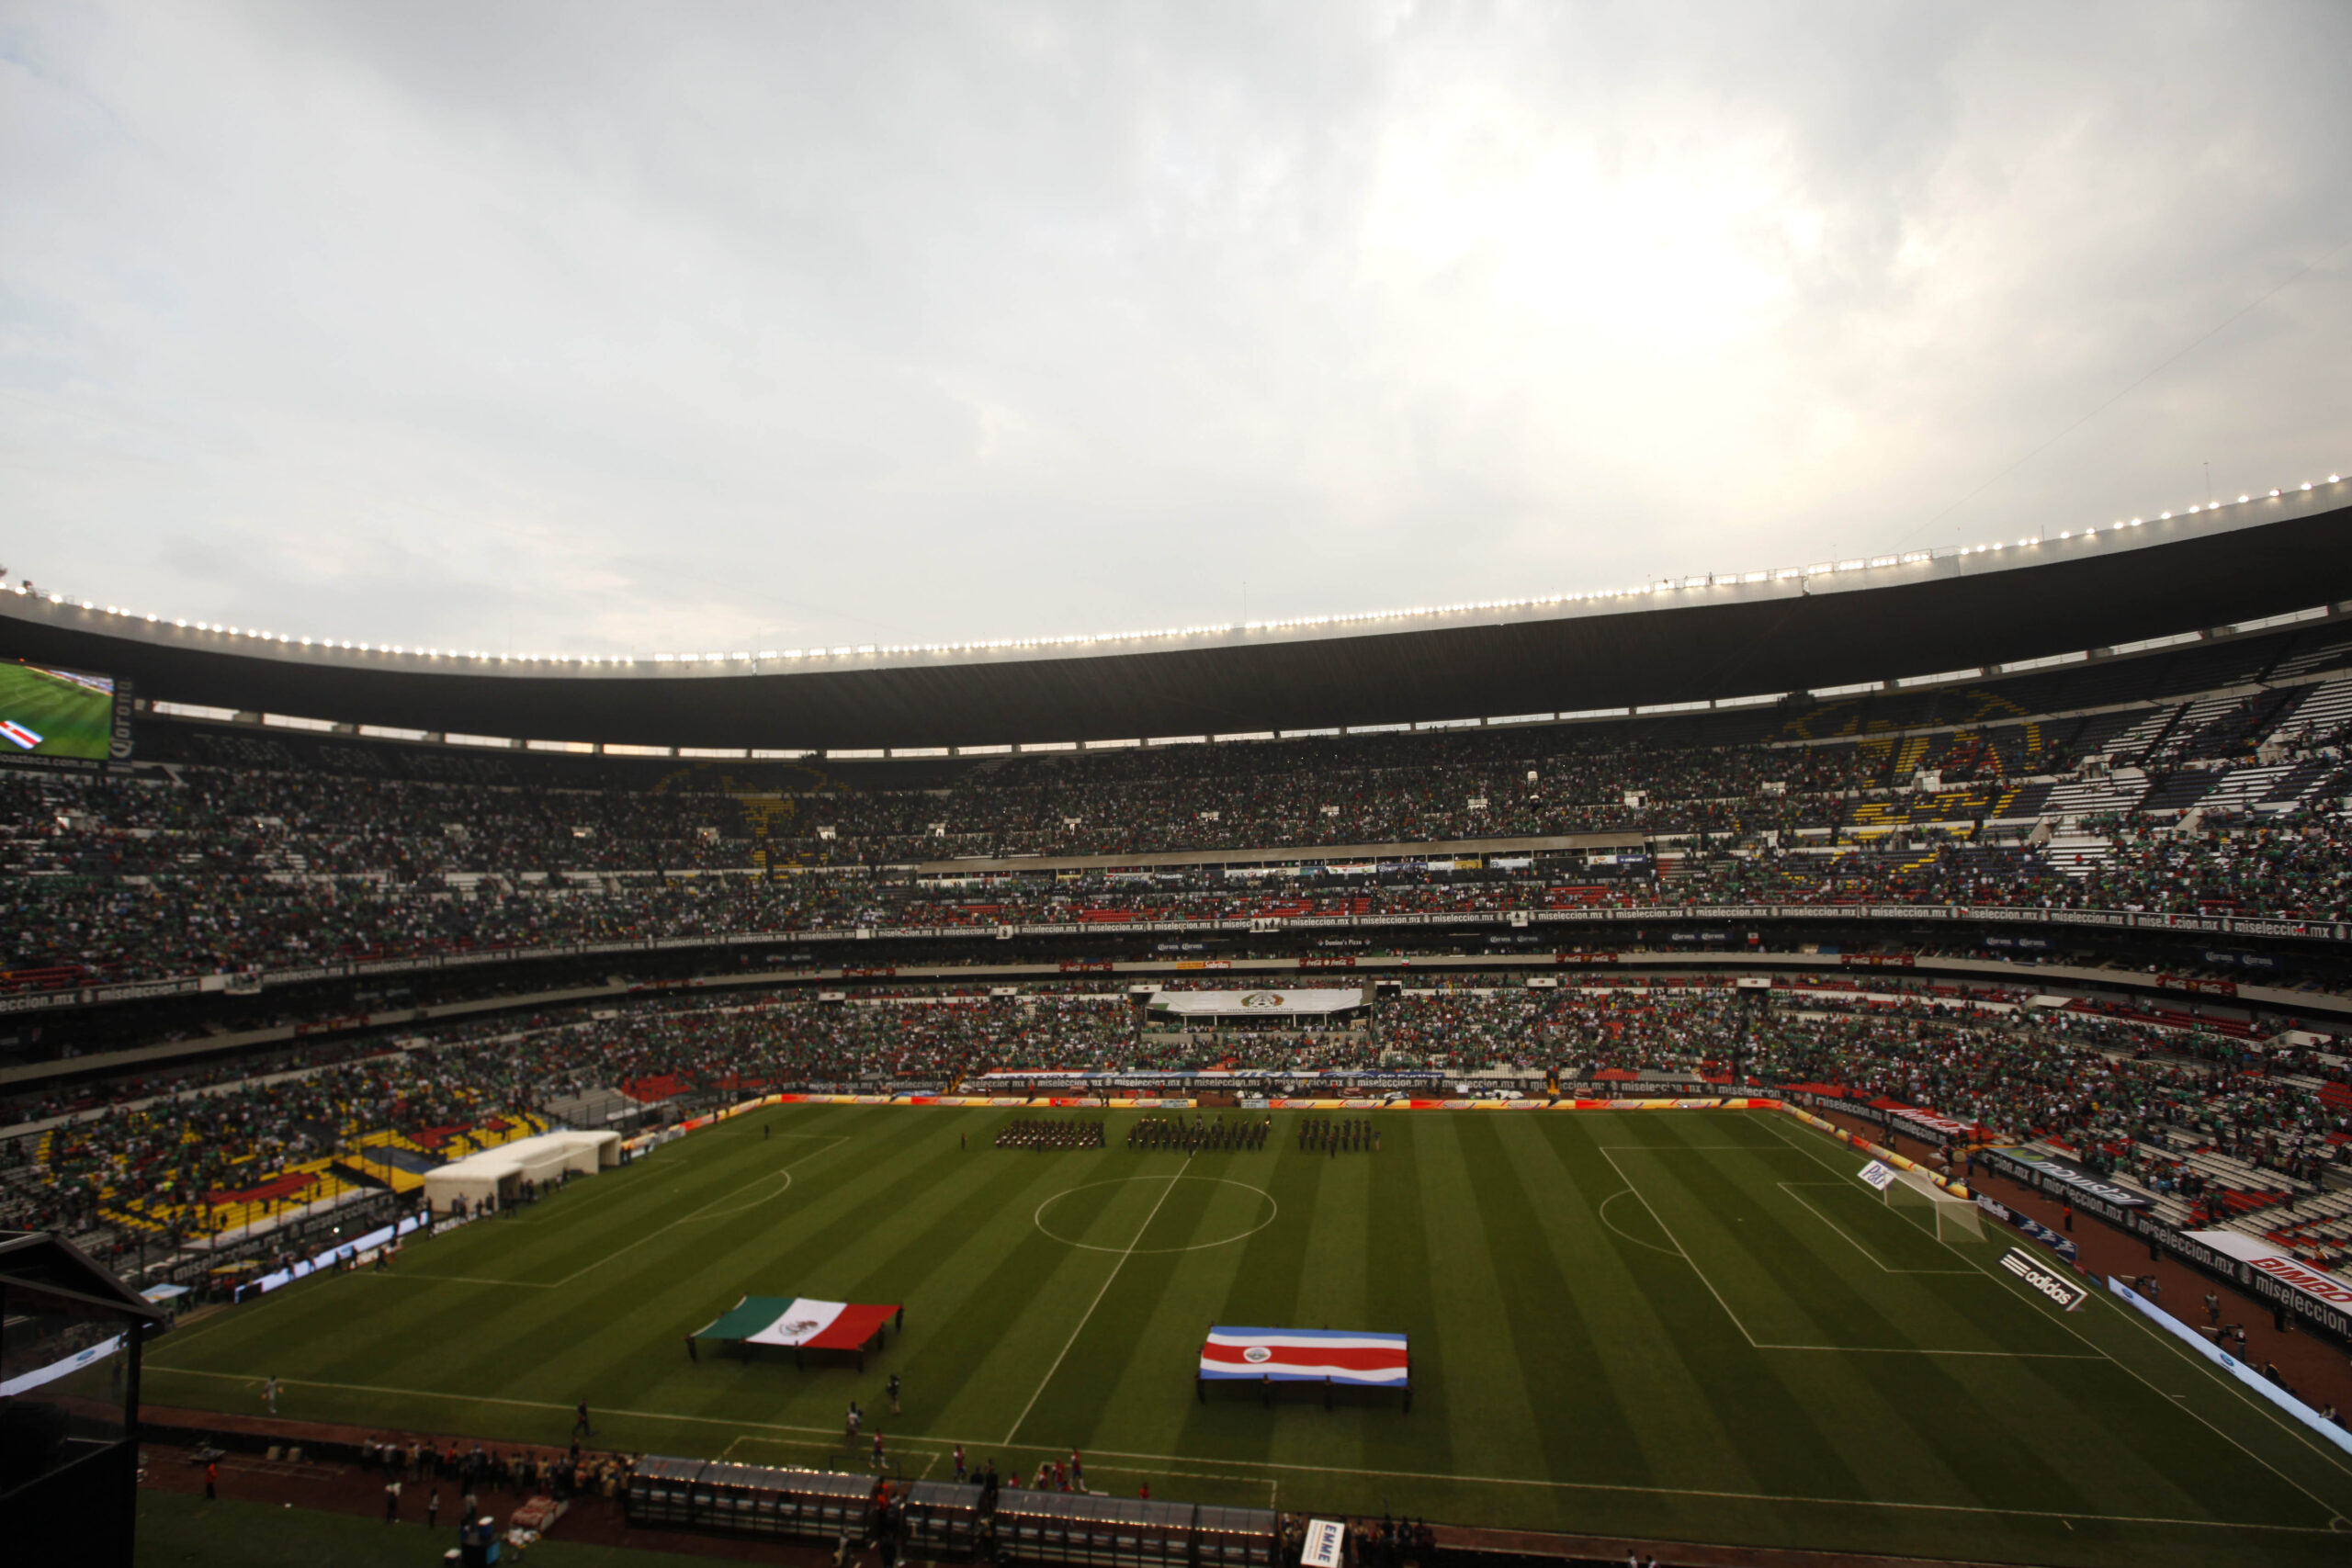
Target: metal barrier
{"points": [[938, 1519], [1086, 1532], [747, 1499]]}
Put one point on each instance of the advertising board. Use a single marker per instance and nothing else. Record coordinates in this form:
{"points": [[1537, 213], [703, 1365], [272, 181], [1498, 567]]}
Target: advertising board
{"points": [[2039, 1276]]}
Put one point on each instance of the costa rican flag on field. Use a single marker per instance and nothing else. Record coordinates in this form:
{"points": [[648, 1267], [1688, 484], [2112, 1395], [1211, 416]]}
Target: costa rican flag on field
{"points": [[1307, 1355], [18, 733]]}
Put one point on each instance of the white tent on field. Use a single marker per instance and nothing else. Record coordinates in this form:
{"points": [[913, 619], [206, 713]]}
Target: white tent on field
{"points": [[501, 1172]]}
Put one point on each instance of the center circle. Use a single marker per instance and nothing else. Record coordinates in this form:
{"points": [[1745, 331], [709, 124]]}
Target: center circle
{"points": [[1272, 1210]]}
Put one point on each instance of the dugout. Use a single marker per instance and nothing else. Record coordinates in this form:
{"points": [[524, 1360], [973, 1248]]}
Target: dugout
{"points": [[823, 1506], [941, 1519], [1093, 1532], [749, 1499], [1236, 1537], [660, 1491], [743, 1499]]}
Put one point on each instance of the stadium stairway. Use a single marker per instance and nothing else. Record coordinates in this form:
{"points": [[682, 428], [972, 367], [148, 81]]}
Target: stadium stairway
{"points": [[254, 1197], [428, 1147], [2326, 654], [2090, 797], [2078, 854], [359, 1174], [2170, 1207], [2319, 1228], [2144, 735], [2303, 780], [2240, 787], [2325, 710], [2180, 739], [291, 1187], [2176, 792], [2227, 725], [2251, 1198]]}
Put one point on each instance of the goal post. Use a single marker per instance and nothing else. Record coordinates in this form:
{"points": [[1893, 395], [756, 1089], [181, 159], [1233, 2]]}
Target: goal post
{"points": [[1944, 1216]]}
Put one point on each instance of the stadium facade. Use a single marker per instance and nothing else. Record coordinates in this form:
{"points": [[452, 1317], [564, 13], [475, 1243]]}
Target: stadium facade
{"points": [[1693, 641], [1962, 711], [2042, 843]]}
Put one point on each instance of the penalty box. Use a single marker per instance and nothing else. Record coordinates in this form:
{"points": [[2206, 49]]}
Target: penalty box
{"points": [[1799, 1257]]}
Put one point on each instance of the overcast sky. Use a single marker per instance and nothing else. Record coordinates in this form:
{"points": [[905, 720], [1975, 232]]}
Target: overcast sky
{"points": [[618, 328]]}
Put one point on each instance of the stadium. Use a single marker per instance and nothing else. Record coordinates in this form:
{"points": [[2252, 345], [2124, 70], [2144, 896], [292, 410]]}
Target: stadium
{"points": [[1238, 785], [1661, 1115]]}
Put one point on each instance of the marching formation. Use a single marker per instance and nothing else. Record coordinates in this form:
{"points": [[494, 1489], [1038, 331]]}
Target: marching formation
{"points": [[1175, 1133], [1347, 1134], [1041, 1133]]}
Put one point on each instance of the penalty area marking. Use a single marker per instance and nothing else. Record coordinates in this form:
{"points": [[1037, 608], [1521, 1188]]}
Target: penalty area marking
{"points": [[1667, 1231], [2244, 1402], [1791, 1188], [1273, 1212], [2334, 1525], [1603, 1212]]}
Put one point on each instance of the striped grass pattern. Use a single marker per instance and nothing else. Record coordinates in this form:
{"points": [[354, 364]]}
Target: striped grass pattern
{"points": [[1678, 1324]]}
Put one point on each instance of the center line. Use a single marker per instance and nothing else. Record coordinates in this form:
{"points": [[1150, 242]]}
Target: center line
{"points": [[1097, 1301]]}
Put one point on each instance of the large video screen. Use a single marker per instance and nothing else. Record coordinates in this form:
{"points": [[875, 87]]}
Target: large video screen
{"points": [[54, 713]]}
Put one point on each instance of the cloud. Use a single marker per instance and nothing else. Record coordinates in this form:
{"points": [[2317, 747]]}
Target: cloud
{"points": [[607, 329]]}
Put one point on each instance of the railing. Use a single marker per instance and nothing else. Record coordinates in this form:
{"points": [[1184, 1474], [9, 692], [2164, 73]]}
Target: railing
{"points": [[1616, 914]]}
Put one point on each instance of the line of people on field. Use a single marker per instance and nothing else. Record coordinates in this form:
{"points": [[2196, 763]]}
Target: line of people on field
{"points": [[1337, 1135], [1174, 1133], [1050, 1133]]}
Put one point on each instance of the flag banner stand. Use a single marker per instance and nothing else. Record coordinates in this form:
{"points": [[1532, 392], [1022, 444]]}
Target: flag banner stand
{"points": [[800, 1324], [1334, 1360]]}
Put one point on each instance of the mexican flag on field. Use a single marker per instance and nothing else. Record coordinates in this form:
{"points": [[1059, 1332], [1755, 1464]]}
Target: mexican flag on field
{"points": [[800, 1322]]}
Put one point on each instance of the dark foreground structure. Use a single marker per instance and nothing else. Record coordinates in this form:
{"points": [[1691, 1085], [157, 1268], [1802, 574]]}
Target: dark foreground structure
{"points": [[68, 1451]]}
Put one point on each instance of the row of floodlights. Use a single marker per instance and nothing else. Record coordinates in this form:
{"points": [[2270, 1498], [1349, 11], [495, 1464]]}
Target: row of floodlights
{"points": [[1662, 585]]}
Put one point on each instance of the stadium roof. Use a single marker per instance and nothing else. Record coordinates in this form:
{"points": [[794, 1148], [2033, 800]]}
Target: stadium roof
{"points": [[1684, 642]]}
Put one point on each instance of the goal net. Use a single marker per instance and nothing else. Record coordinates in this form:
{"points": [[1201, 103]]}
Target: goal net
{"points": [[1940, 1213]]}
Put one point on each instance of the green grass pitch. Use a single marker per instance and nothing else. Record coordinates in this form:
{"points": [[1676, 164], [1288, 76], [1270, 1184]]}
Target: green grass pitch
{"points": [[72, 720], [1693, 1325]]}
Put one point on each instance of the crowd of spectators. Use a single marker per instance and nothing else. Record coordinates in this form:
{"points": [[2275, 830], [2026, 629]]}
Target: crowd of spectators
{"points": [[167, 1154], [2299, 864], [473, 1472], [286, 861], [81, 930], [2097, 1081], [168, 1157]]}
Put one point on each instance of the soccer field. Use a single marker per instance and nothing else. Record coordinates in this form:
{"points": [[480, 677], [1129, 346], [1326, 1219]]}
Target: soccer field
{"points": [[1684, 1325]]}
